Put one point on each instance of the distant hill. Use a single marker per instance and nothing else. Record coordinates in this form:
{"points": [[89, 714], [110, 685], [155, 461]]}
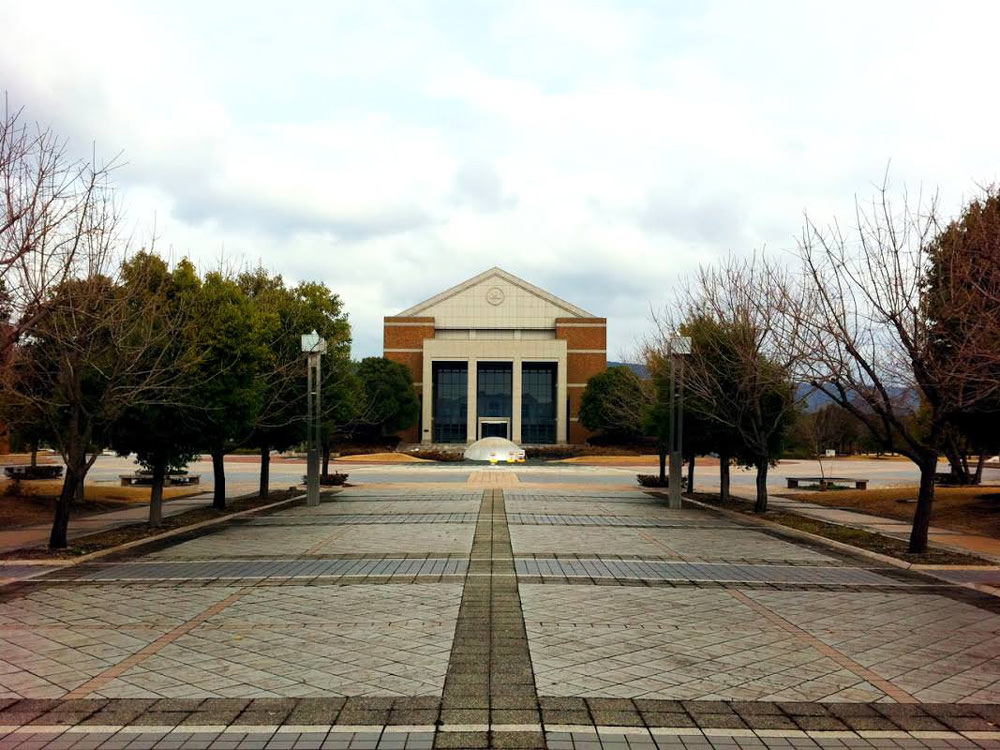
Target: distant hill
{"points": [[638, 368], [813, 399]]}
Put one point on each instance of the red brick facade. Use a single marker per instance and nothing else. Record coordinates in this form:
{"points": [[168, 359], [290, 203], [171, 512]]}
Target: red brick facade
{"points": [[586, 344], [403, 340]]}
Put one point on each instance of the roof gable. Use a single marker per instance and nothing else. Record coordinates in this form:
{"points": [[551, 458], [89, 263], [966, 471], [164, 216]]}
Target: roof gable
{"points": [[495, 298]]}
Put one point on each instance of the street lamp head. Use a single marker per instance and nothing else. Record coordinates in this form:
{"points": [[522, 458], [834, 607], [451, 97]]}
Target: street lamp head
{"points": [[312, 343], [679, 344]]}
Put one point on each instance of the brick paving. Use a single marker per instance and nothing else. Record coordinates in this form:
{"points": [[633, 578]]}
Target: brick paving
{"points": [[496, 615]]}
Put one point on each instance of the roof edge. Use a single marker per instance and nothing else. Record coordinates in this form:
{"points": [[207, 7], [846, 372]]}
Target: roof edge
{"points": [[507, 276]]}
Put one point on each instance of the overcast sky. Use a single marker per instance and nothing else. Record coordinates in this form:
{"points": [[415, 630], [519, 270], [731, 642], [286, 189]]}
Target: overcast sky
{"points": [[600, 150]]}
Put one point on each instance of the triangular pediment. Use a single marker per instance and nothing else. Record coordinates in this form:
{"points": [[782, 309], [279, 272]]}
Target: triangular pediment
{"points": [[495, 298]]}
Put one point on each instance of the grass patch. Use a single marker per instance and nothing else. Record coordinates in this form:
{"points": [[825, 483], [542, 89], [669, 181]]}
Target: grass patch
{"points": [[860, 538], [972, 509], [132, 532]]}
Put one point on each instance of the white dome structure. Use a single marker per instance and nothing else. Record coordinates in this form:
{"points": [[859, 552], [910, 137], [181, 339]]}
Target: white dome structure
{"points": [[495, 450]]}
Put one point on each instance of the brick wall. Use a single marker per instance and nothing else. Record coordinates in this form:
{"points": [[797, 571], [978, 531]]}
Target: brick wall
{"points": [[586, 344], [402, 341]]}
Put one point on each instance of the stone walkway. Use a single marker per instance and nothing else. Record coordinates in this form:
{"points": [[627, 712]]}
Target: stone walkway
{"points": [[495, 616]]}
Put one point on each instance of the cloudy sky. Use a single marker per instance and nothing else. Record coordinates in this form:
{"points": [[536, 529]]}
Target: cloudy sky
{"points": [[601, 150]]}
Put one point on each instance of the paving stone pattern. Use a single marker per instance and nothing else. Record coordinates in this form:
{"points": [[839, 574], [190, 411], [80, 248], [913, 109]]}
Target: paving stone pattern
{"points": [[509, 617], [704, 545], [261, 541]]}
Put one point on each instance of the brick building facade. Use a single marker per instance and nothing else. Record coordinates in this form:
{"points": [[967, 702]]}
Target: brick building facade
{"points": [[496, 355]]}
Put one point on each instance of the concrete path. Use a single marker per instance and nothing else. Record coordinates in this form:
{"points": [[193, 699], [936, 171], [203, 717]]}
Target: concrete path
{"points": [[496, 613]]}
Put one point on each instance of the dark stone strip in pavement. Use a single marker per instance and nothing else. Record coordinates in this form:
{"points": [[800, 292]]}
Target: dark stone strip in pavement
{"points": [[550, 711], [951, 592], [600, 568], [264, 569], [698, 560], [490, 679], [363, 519]]}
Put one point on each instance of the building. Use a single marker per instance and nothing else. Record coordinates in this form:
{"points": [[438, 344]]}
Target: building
{"points": [[497, 356]]}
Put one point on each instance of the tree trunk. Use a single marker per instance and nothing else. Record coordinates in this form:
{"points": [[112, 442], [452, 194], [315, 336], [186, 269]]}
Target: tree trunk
{"points": [[265, 471], [78, 491], [663, 466], [326, 460], [958, 461], [925, 501], [219, 477], [761, 505], [60, 524], [723, 477], [156, 492], [690, 487], [978, 478], [34, 454]]}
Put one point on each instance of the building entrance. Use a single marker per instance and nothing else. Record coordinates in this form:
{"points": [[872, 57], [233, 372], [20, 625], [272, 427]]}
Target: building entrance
{"points": [[494, 428]]}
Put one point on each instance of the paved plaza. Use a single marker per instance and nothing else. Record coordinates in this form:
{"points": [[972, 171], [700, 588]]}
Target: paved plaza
{"points": [[496, 612]]}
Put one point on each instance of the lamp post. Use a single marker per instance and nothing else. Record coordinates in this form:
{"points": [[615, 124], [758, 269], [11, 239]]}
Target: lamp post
{"points": [[314, 347], [677, 348]]}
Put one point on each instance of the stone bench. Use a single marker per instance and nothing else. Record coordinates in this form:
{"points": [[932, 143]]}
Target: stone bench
{"points": [[141, 478], [826, 482], [39, 471]]}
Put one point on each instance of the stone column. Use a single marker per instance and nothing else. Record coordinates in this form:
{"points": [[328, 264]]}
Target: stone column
{"points": [[515, 401], [427, 402], [470, 425], [562, 417]]}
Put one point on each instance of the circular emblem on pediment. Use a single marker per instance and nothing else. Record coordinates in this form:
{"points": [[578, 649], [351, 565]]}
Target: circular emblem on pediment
{"points": [[495, 295]]}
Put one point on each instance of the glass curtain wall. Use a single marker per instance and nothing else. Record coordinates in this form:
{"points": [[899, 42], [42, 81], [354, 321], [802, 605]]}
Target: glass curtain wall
{"points": [[538, 402], [494, 386], [451, 401]]}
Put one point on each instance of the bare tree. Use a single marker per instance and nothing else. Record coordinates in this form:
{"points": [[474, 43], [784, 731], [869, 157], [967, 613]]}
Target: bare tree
{"points": [[860, 327], [738, 372], [54, 209], [99, 347]]}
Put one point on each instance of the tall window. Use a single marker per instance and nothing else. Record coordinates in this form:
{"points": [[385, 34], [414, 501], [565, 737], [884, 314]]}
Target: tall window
{"points": [[493, 389], [451, 401], [538, 402]]}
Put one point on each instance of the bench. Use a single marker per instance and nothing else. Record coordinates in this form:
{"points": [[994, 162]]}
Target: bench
{"points": [[826, 482], [141, 478], [42, 471]]}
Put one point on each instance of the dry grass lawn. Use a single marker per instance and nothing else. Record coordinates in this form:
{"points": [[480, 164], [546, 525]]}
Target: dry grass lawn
{"points": [[388, 458], [34, 502], [972, 509]]}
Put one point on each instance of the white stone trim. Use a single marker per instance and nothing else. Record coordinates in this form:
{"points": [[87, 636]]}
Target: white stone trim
{"points": [[583, 351], [581, 325], [576, 385], [496, 271], [401, 351], [419, 325]]}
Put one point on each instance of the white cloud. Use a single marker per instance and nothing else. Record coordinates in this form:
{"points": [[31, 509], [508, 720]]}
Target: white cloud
{"points": [[599, 149]]}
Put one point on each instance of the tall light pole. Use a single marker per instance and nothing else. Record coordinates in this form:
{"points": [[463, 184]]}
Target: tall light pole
{"points": [[314, 347], [677, 347]]}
